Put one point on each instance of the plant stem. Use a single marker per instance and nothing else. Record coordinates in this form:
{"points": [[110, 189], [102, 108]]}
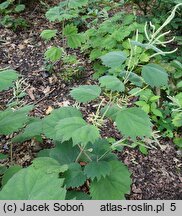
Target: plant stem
{"points": [[84, 153], [11, 153], [81, 151], [138, 91]]}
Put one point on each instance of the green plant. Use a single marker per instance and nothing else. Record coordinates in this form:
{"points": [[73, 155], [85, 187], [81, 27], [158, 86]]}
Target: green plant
{"points": [[177, 111], [149, 102], [81, 157], [66, 10], [63, 126], [7, 8]]}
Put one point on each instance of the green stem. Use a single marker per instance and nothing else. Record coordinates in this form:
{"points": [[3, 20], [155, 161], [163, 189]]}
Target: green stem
{"points": [[103, 155], [138, 91], [81, 149]]}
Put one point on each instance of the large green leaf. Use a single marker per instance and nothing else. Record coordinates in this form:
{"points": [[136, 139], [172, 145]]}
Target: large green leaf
{"points": [[19, 8], [97, 169], [50, 122], [64, 153], [12, 120], [113, 59], [74, 176], [132, 77], [49, 165], [35, 183], [6, 78], [4, 5], [113, 186], [53, 54], [154, 75], [111, 83], [77, 3], [73, 38], [101, 149], [53, 14], [12, 170], [77, 129], [134, 122], [177, 120], [111, 111], [85, 93], [48, 34], [33, 130]]}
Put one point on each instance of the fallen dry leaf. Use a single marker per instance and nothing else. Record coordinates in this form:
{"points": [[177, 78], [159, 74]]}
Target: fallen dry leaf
{"points": [[46, 90], [49, 110], [30, 93]]}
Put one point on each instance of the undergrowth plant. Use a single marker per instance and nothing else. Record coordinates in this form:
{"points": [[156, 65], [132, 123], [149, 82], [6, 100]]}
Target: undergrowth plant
{"points": [[68, 14], [65, 11], [9, 7], [81, 156]]}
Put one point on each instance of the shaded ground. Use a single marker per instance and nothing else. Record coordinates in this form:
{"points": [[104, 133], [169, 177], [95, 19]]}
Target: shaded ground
{"points": [[155, 176]]}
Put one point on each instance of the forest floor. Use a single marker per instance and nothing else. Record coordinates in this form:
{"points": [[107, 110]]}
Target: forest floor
{"points": [[157, 175]]}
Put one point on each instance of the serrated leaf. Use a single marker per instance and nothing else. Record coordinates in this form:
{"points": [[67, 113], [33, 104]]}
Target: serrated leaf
{"points": [[177, 120], [48, 165], [70, 30], [85, 93], [33, 130], [157, 112], [4, 5], [178, 141], [19, 8], [6, 78], [179, 84], [34, 184], [97, 169], [48, 34], [144, 106], [53, 14], [112, 111], [53, 54], [113, 186], [178, 99], [77, 3], [74, 41], [64, 153], [74, 176], [73, 38], [134, 122], [113, 59], [12, 170], [58, 13], [77, 129], [111, 83], [154, 75], [133, 78], [101, 148], [143, 150], [50, 122], [12, 120]]}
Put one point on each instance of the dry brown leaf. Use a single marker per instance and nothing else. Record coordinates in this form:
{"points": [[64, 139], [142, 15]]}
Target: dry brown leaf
{"points": [[49, 110], [30, 93], [63, 104], [47, 90]]}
